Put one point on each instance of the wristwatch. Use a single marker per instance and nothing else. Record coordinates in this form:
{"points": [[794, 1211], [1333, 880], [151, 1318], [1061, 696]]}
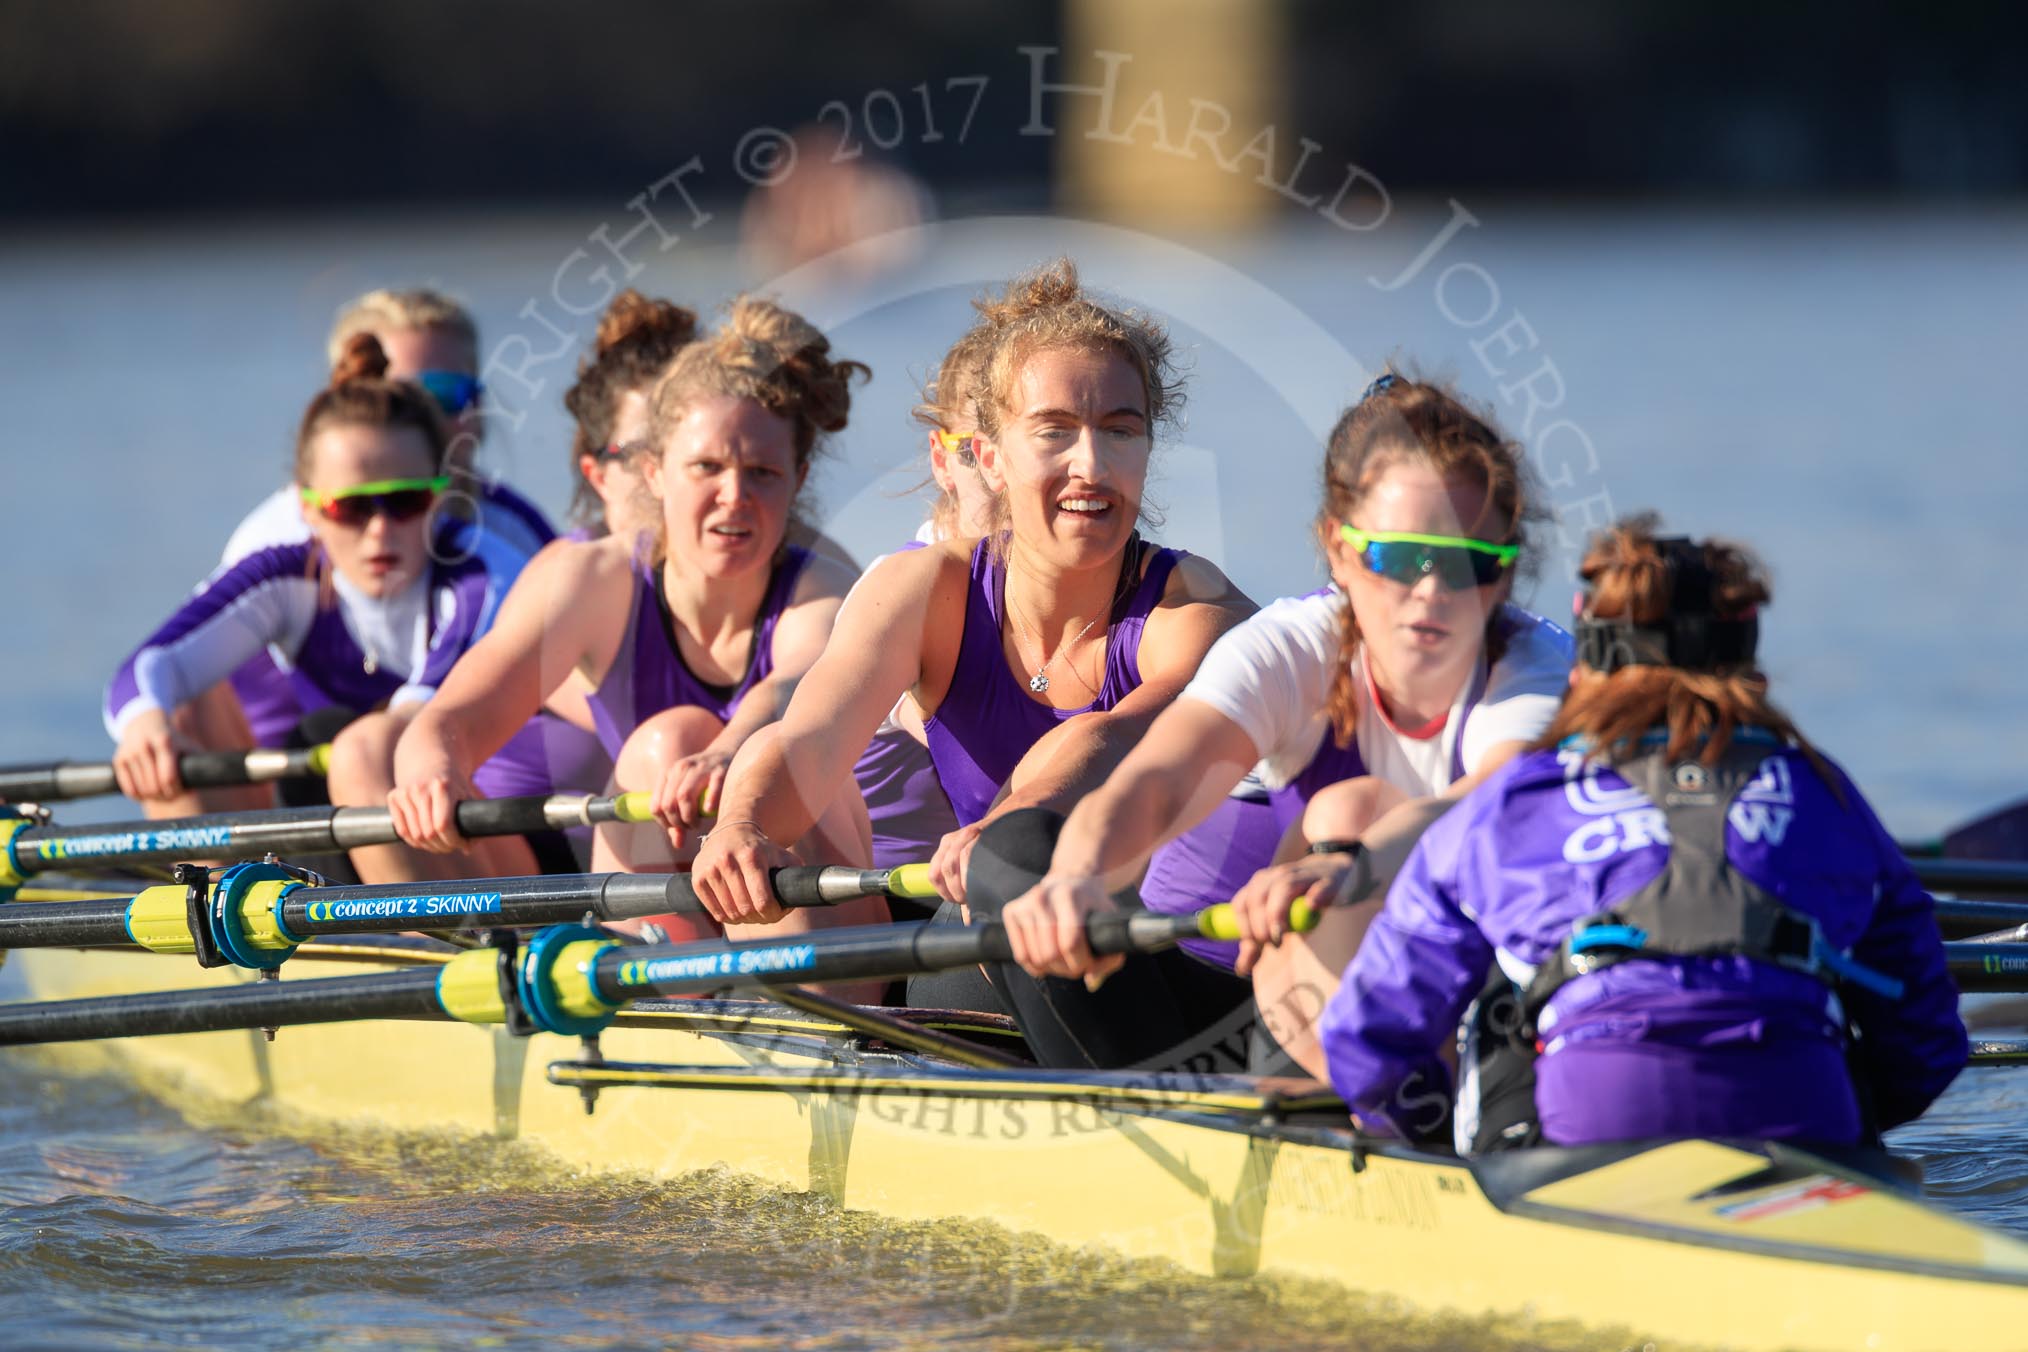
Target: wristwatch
{"points": [[1362, 868]]}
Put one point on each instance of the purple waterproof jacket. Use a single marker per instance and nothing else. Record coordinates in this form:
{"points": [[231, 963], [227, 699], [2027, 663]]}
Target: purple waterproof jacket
{"points": [[1663, 1047]]}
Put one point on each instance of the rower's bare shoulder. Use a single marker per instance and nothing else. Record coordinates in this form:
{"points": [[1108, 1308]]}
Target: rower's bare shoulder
{"points": [[932, 571], [1197, 581], [825, 576], [571, 570]]}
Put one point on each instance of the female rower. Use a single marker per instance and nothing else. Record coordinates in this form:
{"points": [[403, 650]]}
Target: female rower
{"points": [[1696, 909], [369, 612], [684, 642], [1368, 708], [905, 803], [558, 751], [429, 340], [637, 339], [1035, 656]]}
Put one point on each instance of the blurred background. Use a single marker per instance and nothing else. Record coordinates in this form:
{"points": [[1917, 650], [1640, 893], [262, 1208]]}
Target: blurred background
{"points": [[1762, 268]]}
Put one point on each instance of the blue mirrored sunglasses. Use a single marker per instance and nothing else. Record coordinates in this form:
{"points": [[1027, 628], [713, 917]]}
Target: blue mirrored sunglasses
{"points": [[454, 391]]}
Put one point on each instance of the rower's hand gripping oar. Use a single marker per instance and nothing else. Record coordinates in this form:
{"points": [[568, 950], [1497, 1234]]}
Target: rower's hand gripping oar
{"points": [[254, 915], [573, 980], [30, 848], [52, 781]]}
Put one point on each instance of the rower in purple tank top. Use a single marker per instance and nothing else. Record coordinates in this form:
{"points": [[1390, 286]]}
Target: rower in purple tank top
{"points": [[559, 750], [991, 720], [1035, 657], [683, 643], [648, 674], [1691, 933]]}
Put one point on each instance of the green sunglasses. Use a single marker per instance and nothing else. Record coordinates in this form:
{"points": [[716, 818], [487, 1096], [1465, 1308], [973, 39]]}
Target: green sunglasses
{"points": [[401, 499], [1459, 563]]}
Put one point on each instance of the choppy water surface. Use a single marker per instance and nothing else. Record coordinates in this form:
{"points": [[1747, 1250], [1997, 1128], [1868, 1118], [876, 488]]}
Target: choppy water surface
{"points": [[123, 1225]]}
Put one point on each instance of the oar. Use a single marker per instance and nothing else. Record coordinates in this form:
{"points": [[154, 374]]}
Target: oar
{"points": [[1960, 919], [53, 780], [1973, 877], [571, 979], [255, 915], [1988, 966], [296, 830]]}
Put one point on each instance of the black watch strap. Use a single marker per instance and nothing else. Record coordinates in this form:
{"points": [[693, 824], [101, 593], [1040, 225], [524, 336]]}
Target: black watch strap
{"points": [[1362, 869]]}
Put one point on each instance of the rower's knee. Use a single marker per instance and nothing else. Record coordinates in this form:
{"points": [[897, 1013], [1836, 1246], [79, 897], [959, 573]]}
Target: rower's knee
{"points": [[1344, 810], [1010, 856], [361, 769], [660, 742]]}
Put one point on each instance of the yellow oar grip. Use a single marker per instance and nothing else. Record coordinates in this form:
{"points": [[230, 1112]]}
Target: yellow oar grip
{"points": [[633, 807], [468, 987], [320, 759], [1222, 922], [911, 881]]}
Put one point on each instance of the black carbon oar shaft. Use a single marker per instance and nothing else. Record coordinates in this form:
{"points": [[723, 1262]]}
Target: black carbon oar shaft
{"points": [[466, 987], [551, 899], [298, 830], [863, 953], [1974, 877], [259, 1004], [1963, 919], [1988, 967], [199, 770]]}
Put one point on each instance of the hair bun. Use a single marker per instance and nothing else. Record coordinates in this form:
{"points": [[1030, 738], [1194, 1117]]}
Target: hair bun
{"points": [[361, 358], [634, 318]]}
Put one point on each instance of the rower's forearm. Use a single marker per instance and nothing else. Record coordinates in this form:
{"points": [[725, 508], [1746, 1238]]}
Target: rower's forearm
{"points": [[1081, 760], [761, 787], [431, 746], [1114, 830], [762, 705], [1391, 839]]}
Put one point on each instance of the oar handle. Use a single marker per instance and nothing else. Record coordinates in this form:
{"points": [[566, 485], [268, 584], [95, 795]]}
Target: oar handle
{"points": [[198, 769]]}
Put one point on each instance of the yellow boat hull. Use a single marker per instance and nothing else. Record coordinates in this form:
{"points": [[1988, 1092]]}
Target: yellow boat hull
{"points": [[1695, 1242]]}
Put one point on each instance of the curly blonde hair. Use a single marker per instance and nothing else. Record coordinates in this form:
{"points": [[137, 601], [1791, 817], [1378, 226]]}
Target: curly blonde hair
{"points": [[772, 356]]}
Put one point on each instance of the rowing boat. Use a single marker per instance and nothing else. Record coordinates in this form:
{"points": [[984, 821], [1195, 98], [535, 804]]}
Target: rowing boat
{"points": [[1707, 1243]]}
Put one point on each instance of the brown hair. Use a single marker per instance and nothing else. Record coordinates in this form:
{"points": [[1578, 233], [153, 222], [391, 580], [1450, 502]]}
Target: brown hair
{"points": [[948, 399], [772, 356], [1631, 579], [413, 308], [1049, 308], [637, 339], [361, 395], [1397, 419]]}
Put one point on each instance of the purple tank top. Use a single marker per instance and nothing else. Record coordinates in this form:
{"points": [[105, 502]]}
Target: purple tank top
{"points": [[987, 721], [648, 674], [1208, 864]]}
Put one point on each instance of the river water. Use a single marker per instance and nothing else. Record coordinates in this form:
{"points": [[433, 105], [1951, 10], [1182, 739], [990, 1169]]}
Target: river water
{"points": [[1831, 386]]}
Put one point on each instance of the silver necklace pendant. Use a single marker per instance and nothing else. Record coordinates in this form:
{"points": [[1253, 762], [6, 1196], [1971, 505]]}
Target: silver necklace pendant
{"points": [[1039, 683]]}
